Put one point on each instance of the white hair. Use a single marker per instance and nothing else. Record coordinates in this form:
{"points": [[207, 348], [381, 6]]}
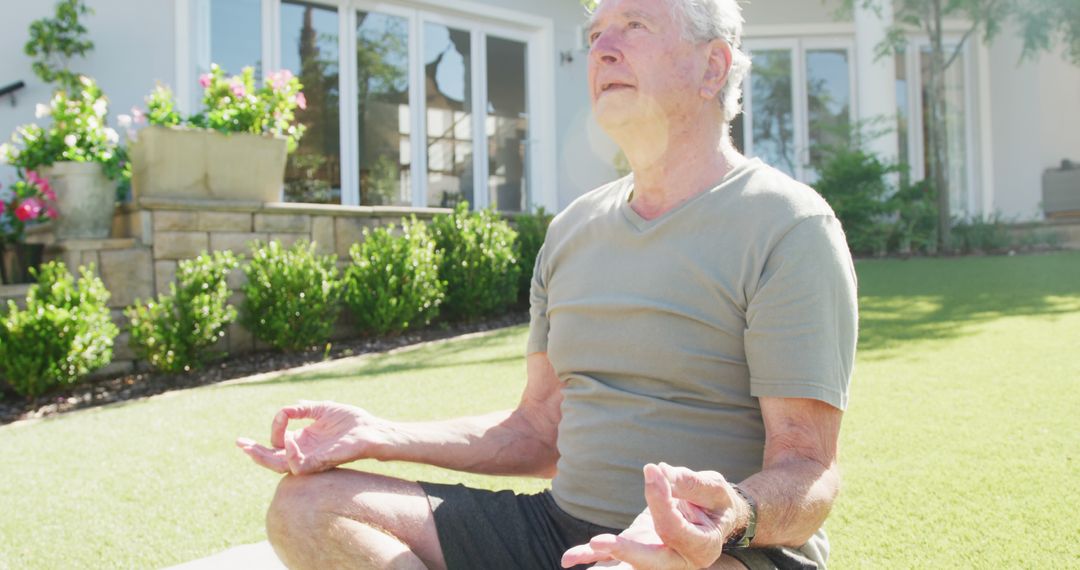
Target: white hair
{"points": [[707, 20]]}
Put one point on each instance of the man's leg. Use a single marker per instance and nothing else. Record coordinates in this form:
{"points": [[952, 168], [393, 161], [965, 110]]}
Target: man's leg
{"points": [[350, 519]]}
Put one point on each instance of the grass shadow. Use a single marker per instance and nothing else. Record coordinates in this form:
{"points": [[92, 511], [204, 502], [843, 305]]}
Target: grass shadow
{"points": [[929, 299]]}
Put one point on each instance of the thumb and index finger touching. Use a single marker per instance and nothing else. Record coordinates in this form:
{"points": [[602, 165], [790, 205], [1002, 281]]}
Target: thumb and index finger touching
{"points": [[302, 410]]}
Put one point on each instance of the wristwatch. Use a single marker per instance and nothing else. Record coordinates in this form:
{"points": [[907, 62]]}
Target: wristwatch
{"points": [[742, 540]]}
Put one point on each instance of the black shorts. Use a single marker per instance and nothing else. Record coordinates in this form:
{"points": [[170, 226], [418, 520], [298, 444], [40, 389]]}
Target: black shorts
{"points": [[501, 530]]}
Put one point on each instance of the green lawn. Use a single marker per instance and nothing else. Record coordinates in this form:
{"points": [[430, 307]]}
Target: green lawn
{"points": [[959, 447]]}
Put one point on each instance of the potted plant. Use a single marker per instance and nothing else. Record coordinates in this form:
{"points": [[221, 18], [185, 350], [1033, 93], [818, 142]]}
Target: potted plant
{"points": [[79, 155], [235, 149], [29, 200]]}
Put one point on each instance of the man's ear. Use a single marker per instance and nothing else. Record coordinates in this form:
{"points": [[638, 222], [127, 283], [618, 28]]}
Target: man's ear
{"points": [[717, 68]]}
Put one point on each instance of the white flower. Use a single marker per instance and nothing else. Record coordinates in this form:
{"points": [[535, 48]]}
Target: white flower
{"points": [[92, 123], [6, 151], [124, 121], [112, 136], [42, 110], [71, 140], [101, 107]]}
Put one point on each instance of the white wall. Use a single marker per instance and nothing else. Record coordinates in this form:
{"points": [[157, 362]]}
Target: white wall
{"points": [[133, 48], [1035, 119]]}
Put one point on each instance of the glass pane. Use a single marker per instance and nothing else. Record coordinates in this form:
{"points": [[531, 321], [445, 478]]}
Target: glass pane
{"points": [[507, 125], [903, 114], [309, 48], [773, 109], [828, 98], [448, 78], [382, 71], [236, 35], [956, 174]]}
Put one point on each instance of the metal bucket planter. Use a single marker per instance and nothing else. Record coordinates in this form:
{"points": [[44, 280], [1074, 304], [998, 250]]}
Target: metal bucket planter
{"points": [[85, 200], [201, 164]]}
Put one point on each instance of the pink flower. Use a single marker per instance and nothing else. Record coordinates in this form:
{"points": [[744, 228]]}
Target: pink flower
{"points": [[138, 116], [51, 212], [205, 80], [48, 191], [238, 90], [301, 101], [280, 79], [30, 209], [3, 207]]}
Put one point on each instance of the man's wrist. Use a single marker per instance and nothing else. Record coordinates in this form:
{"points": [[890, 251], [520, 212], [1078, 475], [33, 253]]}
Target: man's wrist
{"points": [[745, 519]]}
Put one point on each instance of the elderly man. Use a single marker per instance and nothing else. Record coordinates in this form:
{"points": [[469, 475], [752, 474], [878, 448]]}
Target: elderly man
{"points": [[693, 325]]}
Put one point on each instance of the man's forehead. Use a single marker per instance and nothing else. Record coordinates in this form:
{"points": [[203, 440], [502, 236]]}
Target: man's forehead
{"points": [[648, 10]]}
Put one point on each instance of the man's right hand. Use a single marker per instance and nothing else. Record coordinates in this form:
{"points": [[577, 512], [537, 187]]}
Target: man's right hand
{"points": [[340, 434]]}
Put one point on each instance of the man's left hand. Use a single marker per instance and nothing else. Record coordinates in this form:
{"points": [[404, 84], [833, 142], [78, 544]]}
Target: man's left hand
{"points": [[690, 514]]}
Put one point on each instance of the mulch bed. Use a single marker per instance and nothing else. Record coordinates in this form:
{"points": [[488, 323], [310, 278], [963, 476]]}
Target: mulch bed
{"points": [[144, 383]]}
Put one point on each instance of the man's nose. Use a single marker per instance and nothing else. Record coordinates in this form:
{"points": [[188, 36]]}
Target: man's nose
{"points": [[605, 48]]}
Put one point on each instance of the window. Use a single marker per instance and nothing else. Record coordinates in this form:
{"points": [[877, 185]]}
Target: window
{"points": [[798, 102], [413, 104]]}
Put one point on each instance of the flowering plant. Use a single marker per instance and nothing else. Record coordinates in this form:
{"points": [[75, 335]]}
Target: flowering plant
{"points": [[233, 104], [28, 200], [78, 133]]}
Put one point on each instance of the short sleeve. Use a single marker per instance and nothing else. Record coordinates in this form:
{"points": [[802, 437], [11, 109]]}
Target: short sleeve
{"points": [[802, 321], [538, 320]]}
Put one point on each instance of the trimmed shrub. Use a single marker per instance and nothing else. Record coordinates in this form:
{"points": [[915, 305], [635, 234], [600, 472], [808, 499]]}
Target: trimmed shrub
{"points": [[65, 333], [915, 230], [393, 281], [854, 183], [174, 333], [531, 229], [979, 235], [291, 295], [479, 263]]}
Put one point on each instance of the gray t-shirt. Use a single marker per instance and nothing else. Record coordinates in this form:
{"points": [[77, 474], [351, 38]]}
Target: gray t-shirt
{"points": [[665, 332]]}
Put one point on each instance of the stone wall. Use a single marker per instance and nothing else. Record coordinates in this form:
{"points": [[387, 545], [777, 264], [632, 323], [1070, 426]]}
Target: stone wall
{"points": [[151, 237]]}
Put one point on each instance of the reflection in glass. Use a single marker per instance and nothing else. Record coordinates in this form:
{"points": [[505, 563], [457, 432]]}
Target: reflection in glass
{"points": [[309, 48], [236, 35], [828, 98], [382, 70], [773, 109], [955, 151], [448, 79], [507, 125]]}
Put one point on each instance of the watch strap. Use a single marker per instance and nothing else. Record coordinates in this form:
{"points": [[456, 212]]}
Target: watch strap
{"points": [[743, 539]]}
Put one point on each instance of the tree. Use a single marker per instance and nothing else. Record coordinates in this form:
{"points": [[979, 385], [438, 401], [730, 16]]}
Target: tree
{"points": [[55, 41], [1041, 23]]}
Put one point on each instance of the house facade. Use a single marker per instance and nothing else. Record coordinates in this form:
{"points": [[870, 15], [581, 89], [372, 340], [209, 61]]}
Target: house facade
{"points": [[418, 103]]}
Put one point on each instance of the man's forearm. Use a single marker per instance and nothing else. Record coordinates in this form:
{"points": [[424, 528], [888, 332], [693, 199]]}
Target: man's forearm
{"points": [[500, 443], [793, 499]]}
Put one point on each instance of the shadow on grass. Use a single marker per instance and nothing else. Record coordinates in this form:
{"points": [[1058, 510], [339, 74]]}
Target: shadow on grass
{"points": [[449, 354], [928, 299]]}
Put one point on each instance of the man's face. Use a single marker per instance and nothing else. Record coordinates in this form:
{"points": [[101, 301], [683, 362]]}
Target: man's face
{"points": [[640, 66]]}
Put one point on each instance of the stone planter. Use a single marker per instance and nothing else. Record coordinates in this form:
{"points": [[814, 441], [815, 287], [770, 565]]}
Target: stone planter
{"points": [[202, 164], [85, 200]]}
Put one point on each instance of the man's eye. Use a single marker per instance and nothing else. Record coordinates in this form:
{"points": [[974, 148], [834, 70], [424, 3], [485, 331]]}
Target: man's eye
{"points": [[593, 37], [635, 25]]}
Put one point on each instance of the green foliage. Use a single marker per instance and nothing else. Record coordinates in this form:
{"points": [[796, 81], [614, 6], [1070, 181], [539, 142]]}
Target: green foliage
{"points": [[915, 229], [78, 133], [65, 332], [479, 263], [174, 333], [54, 41], [393, 282], [161, 107], [854, 183], [531, 230], [981, 235], [291, 295], [234, 105]]}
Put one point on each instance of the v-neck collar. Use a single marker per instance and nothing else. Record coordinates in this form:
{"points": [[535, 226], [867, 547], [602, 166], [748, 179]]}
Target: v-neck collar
{"points": [[642, 224]]}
